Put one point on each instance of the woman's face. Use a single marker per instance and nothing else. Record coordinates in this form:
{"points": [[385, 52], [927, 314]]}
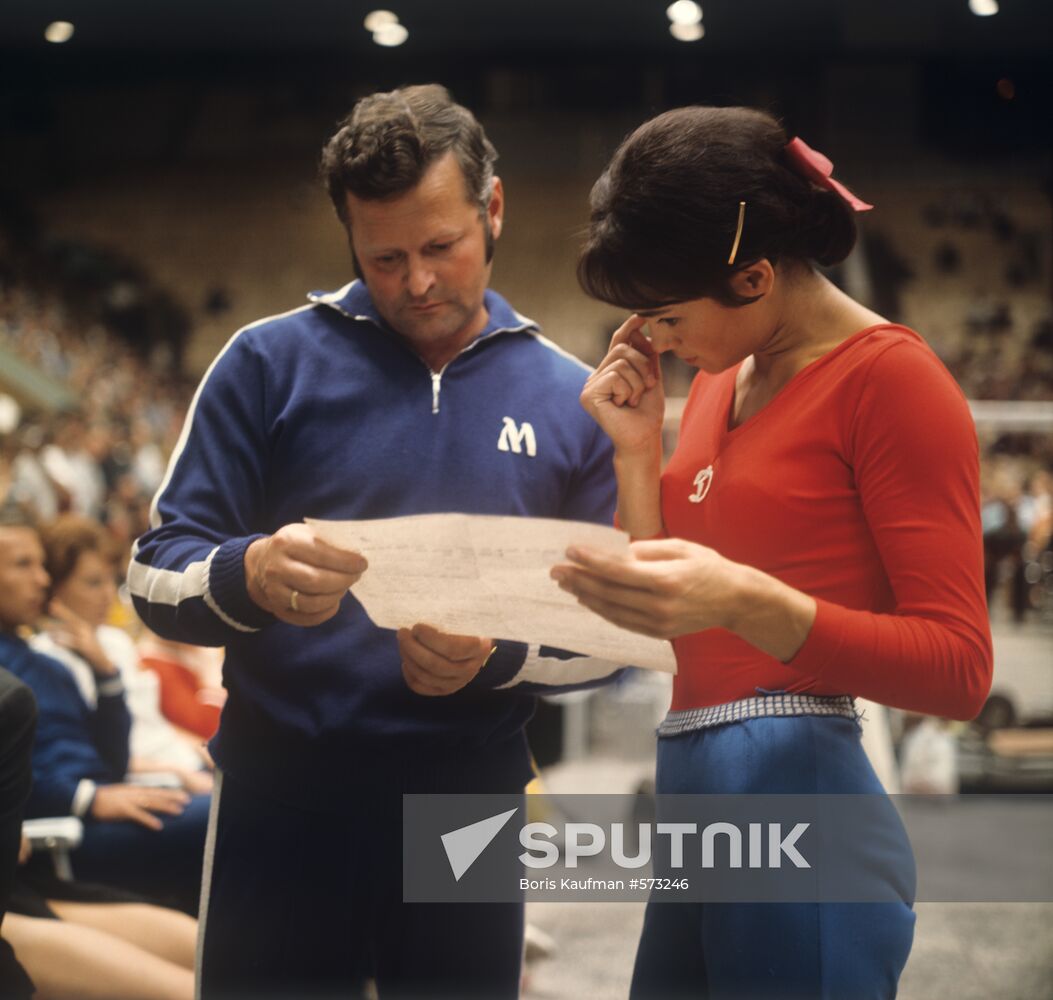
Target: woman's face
{"points": [[705, 333], [713, 336], [90, 590]]}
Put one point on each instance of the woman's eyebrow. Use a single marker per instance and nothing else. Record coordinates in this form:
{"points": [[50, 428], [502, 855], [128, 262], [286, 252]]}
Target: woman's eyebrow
{"points": [[651, 313]]}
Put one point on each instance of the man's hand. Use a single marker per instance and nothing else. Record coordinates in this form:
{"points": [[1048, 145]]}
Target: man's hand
{"points": [[437, 663], [131, 802], [299, 578]]}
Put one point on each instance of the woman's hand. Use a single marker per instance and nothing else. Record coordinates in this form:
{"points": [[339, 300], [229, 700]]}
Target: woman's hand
{"points": [[138, 804], [671, 587], [663, 588], [77, 635], [624, 395]]}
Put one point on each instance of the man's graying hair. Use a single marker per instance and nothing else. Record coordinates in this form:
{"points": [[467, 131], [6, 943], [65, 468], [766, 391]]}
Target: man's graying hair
{"points": [[388, 141]]}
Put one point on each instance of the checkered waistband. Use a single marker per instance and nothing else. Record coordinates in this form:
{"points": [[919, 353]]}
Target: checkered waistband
{"points": [[756, 708]]}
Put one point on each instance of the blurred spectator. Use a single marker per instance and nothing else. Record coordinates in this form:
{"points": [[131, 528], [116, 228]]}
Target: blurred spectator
{"points": [[1034, 510], [69, 463], [30, 485], [191, 683], [928, 757], [79, 558], [1002, 534]]}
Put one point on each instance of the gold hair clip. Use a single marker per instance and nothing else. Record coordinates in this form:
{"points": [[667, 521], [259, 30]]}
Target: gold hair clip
{"points": [[738, 232]]}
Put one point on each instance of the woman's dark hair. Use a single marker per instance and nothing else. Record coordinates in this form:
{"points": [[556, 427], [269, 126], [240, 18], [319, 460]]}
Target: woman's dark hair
{"points": [[665, 211]]}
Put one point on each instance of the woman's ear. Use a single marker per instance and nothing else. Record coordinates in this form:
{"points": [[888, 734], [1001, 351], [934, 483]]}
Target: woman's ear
{"points": [[753, 281]]}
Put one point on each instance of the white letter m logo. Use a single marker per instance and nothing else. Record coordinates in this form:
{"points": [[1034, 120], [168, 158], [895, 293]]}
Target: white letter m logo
{"points": [[515, 438]]}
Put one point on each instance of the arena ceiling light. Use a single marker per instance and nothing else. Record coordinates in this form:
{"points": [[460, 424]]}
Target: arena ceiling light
{"points": [[685, 18], [684, 12], [983, 8], [376, 19], [385, 28], [58, 32], [390, 35], [687, 32]]}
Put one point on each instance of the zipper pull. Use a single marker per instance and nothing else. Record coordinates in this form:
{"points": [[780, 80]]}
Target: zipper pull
{"points": [[436, 381]]}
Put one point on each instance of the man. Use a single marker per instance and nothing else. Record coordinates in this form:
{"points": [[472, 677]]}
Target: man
{"points": [[412, 390]]}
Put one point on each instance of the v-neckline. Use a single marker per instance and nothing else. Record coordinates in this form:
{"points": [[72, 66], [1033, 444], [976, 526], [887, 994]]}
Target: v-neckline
{"points": [[728, 403]]}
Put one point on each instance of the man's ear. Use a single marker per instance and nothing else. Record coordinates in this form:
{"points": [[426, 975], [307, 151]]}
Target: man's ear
{"points": [[496, 209], [753, 281]]}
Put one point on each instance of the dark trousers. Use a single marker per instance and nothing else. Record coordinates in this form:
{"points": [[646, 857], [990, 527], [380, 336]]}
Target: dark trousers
{"points": [[309, 904], [18, 717]]}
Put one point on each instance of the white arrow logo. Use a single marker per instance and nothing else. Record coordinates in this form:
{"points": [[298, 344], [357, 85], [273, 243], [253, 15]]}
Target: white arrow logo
{"points": [[463, 846]]}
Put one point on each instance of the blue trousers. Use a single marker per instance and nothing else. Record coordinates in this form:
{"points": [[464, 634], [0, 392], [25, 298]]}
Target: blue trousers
{"points": [[833, 951]]}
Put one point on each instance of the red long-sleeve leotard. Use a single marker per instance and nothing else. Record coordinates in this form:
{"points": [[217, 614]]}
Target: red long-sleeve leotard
{"points": [[857, 484]]}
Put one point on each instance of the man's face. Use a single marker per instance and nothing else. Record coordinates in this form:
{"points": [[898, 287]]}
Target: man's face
{"points": [[423, 257], [23, 579]]}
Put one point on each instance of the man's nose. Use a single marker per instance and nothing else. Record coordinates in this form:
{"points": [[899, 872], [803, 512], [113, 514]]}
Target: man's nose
{"points": [[420, 278]]}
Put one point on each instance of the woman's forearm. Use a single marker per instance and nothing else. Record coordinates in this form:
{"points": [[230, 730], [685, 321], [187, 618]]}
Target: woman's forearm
{"points": [[639, 498], [767, 613]]}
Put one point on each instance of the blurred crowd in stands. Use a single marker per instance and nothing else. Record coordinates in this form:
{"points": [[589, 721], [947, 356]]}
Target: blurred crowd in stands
{"points": [[986, 370], [105, 455], [88, 418]]}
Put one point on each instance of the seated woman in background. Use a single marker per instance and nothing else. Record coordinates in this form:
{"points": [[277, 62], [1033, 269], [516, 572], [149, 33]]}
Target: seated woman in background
{"points": [[147, 840], [79, 560]]}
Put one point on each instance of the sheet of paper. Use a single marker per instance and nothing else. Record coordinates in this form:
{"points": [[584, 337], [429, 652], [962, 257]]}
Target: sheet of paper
{"points": [[484, 575]]}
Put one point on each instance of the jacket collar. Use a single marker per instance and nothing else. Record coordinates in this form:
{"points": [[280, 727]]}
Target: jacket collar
{"points": [[354, 301]]}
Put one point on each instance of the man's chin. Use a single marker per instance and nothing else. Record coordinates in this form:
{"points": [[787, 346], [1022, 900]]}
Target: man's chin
{"points": [[430, 327]]}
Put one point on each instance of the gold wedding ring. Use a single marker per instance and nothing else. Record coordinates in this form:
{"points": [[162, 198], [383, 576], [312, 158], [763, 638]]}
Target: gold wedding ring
{"points": [[294, 601]]}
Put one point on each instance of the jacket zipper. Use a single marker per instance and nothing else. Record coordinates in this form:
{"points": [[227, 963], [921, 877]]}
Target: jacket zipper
{"points": [[436, 382], [436, 377]]}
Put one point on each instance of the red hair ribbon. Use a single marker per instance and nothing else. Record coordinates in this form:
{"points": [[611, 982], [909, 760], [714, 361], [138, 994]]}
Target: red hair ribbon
{"points": [[815, 167]]}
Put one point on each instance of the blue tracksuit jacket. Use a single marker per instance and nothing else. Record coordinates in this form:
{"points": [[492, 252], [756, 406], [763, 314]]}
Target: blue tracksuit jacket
{"points": [[325, 412], [76, 746]]}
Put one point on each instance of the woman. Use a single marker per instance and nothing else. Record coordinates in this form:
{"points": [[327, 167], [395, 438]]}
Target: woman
{"points": [[148, 840], [815, 535], [80, 563]]}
